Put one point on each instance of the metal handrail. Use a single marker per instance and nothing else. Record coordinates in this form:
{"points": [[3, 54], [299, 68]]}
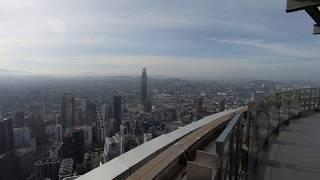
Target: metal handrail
{"points": [[268, 115], [135, 159], [239, 146], [229, 149]]}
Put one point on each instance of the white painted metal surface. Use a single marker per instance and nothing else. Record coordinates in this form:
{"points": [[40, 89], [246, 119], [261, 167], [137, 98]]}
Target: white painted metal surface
{"points": [[125, 163]]}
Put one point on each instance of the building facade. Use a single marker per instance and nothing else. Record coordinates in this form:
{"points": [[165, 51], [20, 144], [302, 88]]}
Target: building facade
{"points": [[68, 111]]}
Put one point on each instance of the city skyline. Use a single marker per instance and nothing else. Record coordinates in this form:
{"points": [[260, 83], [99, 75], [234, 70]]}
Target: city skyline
{"points": [[114, 38], [170, 89]]}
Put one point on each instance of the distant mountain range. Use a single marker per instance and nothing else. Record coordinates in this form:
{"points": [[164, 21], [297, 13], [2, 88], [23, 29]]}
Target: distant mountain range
{"points": [[296, 82], [134, 77], [13, 72]]}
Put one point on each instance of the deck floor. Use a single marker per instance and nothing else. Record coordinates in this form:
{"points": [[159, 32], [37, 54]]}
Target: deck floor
{"points": [[294, 154]]}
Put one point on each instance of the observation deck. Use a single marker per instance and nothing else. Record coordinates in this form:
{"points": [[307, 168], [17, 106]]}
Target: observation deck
{"points": [[274, 138]]}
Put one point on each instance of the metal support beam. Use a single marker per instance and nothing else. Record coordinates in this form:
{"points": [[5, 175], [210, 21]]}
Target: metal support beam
{"points": [[310, 6], [316, 29], [314, 14], [297, 5]]}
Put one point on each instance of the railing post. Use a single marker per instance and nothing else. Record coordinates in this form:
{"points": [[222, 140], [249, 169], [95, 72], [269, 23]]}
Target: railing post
{"points": [[279, 100], [289, 105], [310, 96], [299, 101], [276, 118], [231, 154], [318, 98], [304, 100], [311, 99], [314, 99]]}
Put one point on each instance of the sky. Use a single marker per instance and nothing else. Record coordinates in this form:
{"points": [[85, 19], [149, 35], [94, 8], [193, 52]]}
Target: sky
{"points": [[202, 39]]}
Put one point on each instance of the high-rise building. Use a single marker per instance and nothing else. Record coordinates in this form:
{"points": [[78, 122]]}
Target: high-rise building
{"points": [[148, 103], [101, 128], [107, 112], [78, 117], [91, 113], [111, 148], [25, 157], [78, 146], [146, 95], [19, 120], [66, 168], [87, 130], [68, 111], [117, 111], [58, 133], [144, 87], [67, 146], [22, 136], [43, 111], [6, 135], [47, 168], [55, 150], [222, 104], [8, 163], [73, 145], [37, 127], [112, 127], [8, 166], [198, 104]]}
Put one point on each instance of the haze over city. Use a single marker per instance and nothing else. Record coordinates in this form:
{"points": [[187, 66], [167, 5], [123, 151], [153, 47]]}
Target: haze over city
{"points": [[159, 89], [185, 39]]}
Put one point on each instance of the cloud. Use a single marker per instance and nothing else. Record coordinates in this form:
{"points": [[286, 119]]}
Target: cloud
{"points": [[168, 36], [13, 72], [186, 68], [303, 53]]}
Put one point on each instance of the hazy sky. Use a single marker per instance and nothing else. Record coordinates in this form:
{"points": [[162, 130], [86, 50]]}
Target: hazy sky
{"points": [[210, 39]]}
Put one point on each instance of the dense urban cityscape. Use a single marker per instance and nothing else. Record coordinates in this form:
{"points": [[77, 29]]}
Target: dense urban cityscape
{"points": [[159, 90], [60, 128]]}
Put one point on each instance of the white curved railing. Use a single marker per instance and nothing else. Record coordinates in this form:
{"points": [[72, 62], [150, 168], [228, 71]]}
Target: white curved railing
{"points": [[125, 164]]}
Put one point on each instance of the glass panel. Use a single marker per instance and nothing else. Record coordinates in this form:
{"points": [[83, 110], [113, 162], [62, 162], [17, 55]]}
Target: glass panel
{"points": [[284, 108]]}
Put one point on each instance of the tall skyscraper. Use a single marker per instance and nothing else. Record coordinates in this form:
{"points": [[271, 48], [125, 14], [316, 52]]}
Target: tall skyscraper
{"points": [[117, 110], [101, 129], [68, 111], [6, 135], [21, 137], [91, 113], [58, 133], [18, 120], [144, 87], [146, 95], [148, 102], [43, 111], [107, 112], [78, 146]]}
